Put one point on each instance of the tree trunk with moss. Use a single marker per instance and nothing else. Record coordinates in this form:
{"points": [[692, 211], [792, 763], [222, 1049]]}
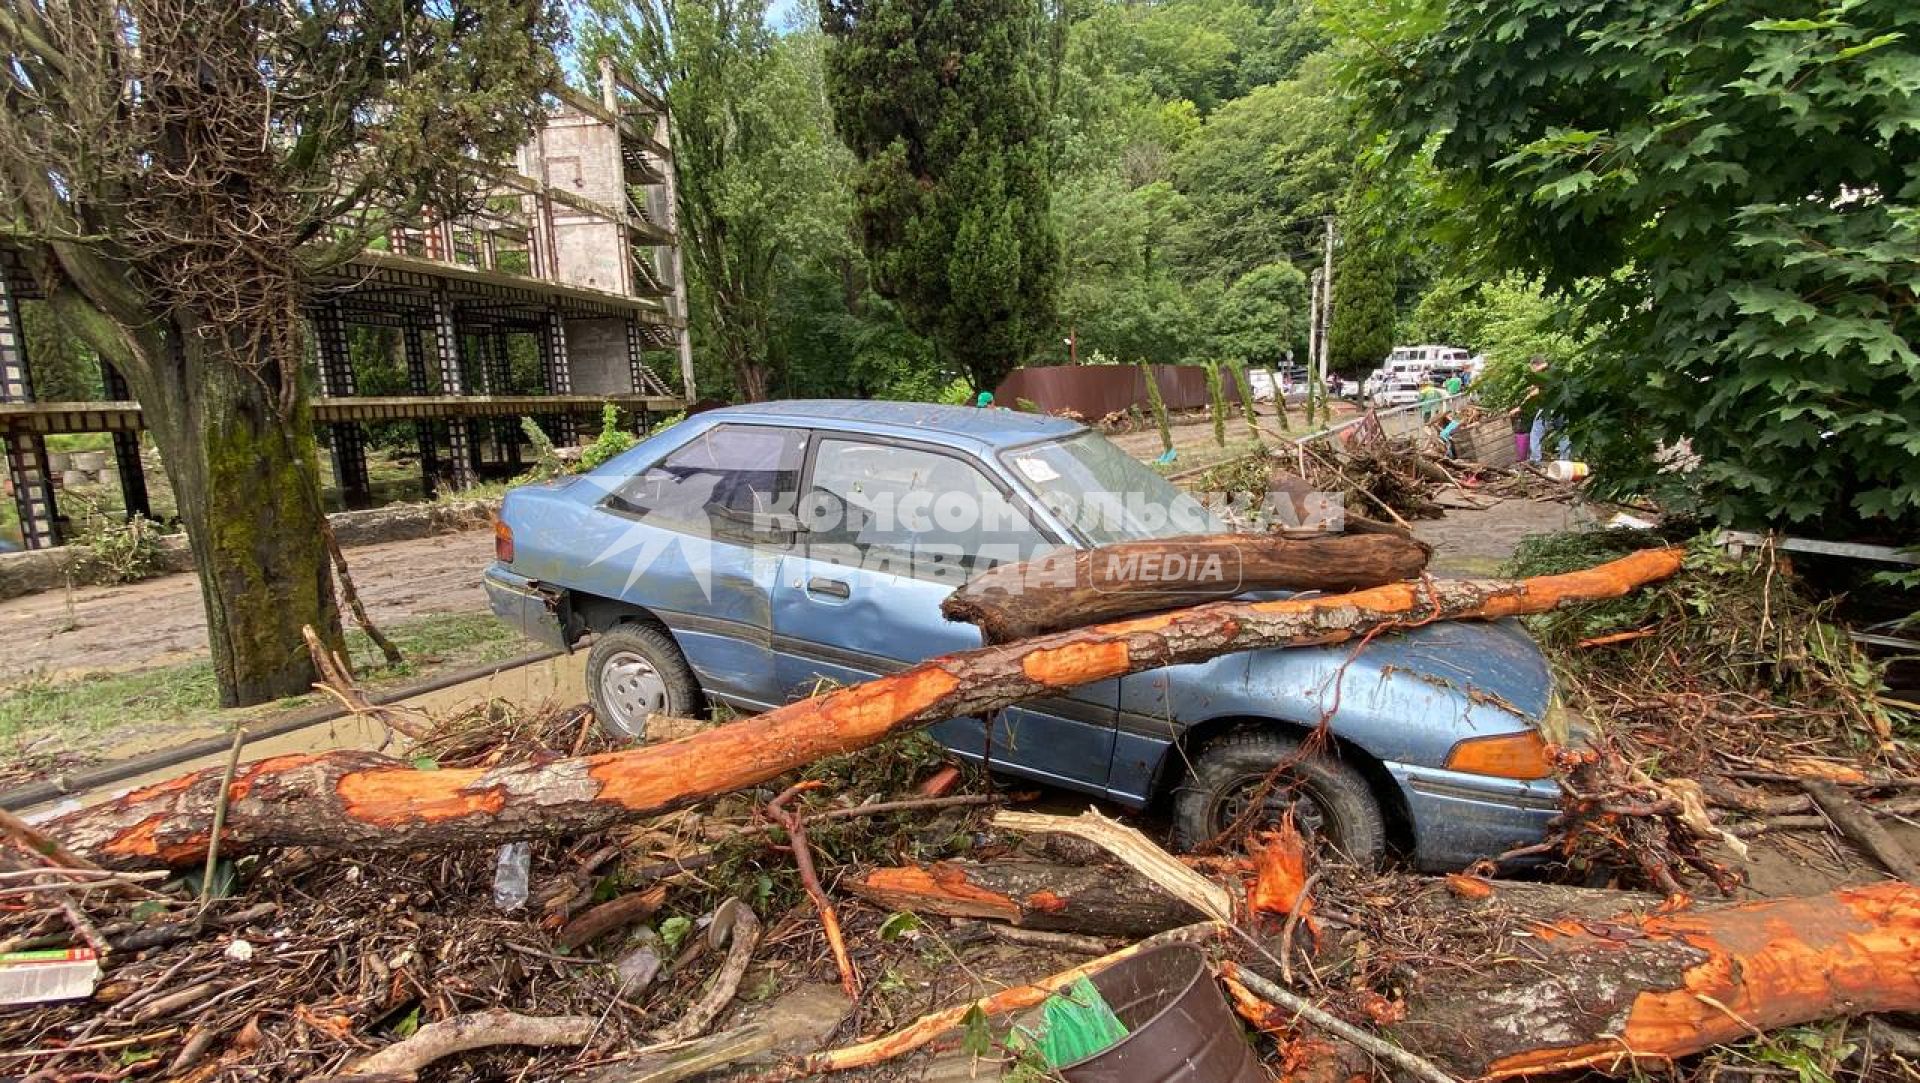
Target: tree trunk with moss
{"points": [[238, 447]]}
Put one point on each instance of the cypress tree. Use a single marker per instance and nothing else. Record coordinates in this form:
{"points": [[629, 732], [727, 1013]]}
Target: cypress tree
{"points": [[946, 103]]}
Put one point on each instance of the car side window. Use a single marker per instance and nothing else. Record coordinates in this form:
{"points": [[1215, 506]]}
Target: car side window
{"points": [[735, 480], [912, 512]]}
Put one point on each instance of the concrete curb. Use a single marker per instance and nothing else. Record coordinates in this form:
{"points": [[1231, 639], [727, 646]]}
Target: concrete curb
{"points": [[106, 774]]}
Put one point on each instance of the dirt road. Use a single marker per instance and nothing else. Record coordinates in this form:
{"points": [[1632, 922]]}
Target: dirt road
{"points": [[161, 621]]}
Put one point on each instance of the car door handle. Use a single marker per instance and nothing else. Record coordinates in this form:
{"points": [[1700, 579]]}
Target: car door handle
{"points": [[832, 588]]}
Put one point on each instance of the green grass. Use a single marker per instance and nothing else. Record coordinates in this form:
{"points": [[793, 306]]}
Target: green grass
{"points": [[80, 441], [186, 692]]}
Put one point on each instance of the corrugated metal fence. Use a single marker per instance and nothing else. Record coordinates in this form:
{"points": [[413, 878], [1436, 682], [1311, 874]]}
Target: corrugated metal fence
{"points": [[1094, 391]]}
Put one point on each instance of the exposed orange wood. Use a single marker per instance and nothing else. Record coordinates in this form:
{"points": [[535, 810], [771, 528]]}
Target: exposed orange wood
{"points": [[1280, 873], [914, 883], [1765, 965]]}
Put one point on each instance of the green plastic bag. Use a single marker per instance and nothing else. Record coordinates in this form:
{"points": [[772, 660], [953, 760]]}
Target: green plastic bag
{"points": [[1076, 1024]]}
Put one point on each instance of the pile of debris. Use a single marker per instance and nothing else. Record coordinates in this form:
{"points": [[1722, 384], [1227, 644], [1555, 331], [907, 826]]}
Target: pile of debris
{"points": [[814, 891]]}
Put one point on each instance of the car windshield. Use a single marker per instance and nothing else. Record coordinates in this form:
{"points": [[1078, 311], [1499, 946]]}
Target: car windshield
{"points": [[1107, 495]]}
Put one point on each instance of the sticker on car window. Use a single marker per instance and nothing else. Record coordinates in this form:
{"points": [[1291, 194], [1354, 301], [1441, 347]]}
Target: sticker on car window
{"points": [[1038, 471]]}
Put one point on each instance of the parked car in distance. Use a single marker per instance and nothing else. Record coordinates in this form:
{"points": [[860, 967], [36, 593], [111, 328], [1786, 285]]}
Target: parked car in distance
{"points": [[745, 554], [1399, 378]]}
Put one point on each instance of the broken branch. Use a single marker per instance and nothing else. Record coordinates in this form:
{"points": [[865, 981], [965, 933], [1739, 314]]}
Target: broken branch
{"points": [[477, 1030]]}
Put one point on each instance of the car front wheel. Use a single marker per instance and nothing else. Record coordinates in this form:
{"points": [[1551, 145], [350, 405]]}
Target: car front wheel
{"points": [[1330, 801], [637, 670]]}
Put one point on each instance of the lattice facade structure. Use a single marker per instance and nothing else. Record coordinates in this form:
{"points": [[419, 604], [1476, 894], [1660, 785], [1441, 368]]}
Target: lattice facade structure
{"points": [[28, 471], [570, 258]]}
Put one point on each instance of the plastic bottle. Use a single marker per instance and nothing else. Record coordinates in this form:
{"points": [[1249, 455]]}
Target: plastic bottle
{"points": [[510, 868], [1565, 470]]}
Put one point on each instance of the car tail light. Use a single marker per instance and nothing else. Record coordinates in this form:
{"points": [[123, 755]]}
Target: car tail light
{"points": [[1520, 756], [502, 541]]}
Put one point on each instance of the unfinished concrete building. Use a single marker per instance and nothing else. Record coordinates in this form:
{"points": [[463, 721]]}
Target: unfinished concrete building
{"points": [[571, 260]]}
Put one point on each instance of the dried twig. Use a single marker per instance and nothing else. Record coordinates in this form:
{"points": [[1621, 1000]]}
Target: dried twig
{"points": [[796, 826], [352, 597], [337, 682], [734, 920], [1858, 824], [1334, 1025], [220, 812]]}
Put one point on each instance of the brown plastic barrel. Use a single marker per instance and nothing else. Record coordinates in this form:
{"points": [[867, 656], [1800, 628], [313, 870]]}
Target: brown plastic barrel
{"points": [[1178, 1025]]}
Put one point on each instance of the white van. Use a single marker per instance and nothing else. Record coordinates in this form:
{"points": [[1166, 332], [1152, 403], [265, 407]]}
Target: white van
{"points": [[1397, 381]]}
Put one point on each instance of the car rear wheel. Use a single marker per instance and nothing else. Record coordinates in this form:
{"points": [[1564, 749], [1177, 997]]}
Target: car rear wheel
{"points": [[1330, 800], [636, 670]]}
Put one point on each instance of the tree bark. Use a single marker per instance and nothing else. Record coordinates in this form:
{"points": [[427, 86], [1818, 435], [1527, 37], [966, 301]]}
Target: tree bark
{"points": [[1648, 988], [363, 800], [1075, 588], [1098, 900], [239, 450]]}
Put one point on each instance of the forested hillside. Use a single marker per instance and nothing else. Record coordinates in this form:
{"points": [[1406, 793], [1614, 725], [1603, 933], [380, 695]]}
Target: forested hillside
{"points": [[1198, 148], [1712, 248]]}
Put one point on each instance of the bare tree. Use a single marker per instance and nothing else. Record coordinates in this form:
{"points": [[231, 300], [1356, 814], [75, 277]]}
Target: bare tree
{"points": [[175, 172]]}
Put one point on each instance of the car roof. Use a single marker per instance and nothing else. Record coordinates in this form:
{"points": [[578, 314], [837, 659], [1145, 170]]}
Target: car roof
{"points": [[990, 428]]}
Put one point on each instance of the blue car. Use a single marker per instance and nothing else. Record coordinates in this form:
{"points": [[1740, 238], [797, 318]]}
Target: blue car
{"points": [[754, 554]]}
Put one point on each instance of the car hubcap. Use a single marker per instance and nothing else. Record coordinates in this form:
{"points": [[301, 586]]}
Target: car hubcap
{"points": [[632, 689], [1286, 794]]}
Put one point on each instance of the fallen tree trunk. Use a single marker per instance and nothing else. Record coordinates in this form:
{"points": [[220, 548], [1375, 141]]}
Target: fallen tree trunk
{"points": [[1075, 588], [1649, 988], [1098, 900], [365, 801]]}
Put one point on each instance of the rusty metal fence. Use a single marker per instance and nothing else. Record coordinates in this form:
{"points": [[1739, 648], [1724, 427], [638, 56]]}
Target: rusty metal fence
{"points": [[1094, 391]]}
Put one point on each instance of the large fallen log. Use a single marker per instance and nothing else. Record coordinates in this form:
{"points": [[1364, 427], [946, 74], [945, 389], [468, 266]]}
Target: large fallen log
{"points": [[1649, 988], [365, 801], [1075, 588], [1098, 900]]}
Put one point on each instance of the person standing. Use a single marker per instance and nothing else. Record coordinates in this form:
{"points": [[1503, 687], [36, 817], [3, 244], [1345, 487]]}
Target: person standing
{"points": [[1430, 398]]}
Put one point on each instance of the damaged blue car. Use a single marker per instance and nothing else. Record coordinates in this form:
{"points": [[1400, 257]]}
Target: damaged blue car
{"points": [[748, 554]]}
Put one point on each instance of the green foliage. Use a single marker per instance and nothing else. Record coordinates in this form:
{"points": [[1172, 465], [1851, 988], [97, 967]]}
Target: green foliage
{"points": [[1217, 403], [122, 552], [1740, 626], [1737, 178], [612, 440], [1509, 320], [1362, 332], [1245, 387], [546, 460], [761, 180], [1263, 172], [1158, 404], [947, 108], [1262, 318], [65, 369]]}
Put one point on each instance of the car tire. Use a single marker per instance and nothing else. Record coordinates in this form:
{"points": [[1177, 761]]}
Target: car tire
{"points": [[1350, 819], [635, 670]]}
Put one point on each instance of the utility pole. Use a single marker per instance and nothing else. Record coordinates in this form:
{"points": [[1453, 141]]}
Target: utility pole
{"points": [[1326, 321], [1314, 307]]}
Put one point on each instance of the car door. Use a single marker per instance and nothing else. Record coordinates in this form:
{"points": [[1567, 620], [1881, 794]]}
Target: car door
{"points": [[890, 529], [711, 522]]}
